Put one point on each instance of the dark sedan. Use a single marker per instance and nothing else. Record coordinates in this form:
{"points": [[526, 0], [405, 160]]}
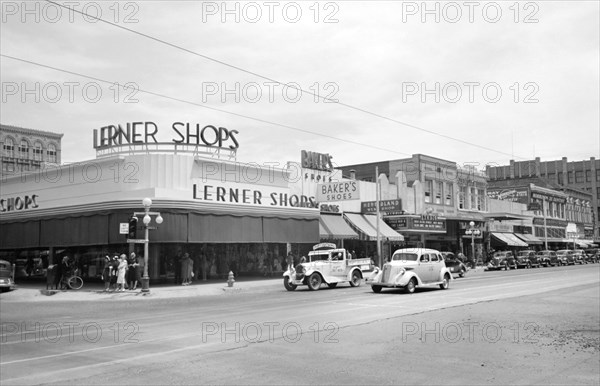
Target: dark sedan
{"points": [[454, 264]]}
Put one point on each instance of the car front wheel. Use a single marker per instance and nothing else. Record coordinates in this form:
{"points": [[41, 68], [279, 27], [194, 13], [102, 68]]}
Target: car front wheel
{"points": [[314, 281], [410, 287], [288, 286]]}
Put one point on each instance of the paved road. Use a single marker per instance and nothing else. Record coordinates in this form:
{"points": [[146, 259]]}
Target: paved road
{"points": [[509, 325]]}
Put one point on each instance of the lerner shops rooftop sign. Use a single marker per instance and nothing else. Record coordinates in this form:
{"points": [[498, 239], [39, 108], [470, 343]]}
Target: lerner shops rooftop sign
{"points": [[183, 133]]}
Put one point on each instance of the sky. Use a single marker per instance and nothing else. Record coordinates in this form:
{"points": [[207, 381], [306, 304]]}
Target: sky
{"points": [[476, 83]]}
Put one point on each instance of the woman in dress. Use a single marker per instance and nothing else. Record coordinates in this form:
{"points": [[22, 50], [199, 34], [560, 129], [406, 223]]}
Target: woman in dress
{"points": [[132, 272], [121, 271]]}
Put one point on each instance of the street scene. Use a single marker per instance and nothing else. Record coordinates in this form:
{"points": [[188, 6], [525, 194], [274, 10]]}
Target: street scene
{"points": [[518, 327], [294, 192]]}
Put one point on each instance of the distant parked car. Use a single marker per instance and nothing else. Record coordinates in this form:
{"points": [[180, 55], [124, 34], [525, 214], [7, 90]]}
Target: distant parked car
{"points": [[591, 255], [7, 281], [547, 258], [502, 259], [454, 264], [565, 257], [579, 256], [527, 259]]}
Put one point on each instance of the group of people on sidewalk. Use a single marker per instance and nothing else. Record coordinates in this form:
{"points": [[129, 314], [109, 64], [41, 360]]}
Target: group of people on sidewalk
{"points": [[120, 273]]}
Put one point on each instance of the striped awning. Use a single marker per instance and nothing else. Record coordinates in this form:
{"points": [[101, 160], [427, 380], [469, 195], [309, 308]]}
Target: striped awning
{"points": [[367, 226], [509, 239], [334, 227], [529, 239]]}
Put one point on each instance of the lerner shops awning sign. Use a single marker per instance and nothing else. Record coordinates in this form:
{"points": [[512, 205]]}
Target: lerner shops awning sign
{"points": [[184, 133], [251, 196]]}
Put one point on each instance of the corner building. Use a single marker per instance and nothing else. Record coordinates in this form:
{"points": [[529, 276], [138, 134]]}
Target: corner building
{"points": [[227, 215]]}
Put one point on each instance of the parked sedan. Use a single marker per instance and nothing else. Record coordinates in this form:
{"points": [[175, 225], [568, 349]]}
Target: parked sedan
{"points": [[565, 257], [591, 255], [502, 259], [547, 258], [454, 264], [527, 259]]}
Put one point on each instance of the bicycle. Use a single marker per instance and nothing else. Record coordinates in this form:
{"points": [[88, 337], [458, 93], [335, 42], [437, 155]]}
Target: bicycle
{"points": [[73, 281]]}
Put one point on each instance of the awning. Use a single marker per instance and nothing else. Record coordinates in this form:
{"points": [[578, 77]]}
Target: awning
{"points": [[509, 239], [529, 239], [581, 244], [335, 228], [367, 226], [500, 216]]}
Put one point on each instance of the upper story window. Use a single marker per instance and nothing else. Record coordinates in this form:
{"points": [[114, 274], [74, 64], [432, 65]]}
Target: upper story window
{"points": [[579, 176], [462, 194], [24, 149], [51, 153], [439, 192], [9, 147], [449, 194], [37, 151], [427, 190]]}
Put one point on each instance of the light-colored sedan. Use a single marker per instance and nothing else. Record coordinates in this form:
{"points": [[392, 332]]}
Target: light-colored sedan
{"points": [[410, 268]]}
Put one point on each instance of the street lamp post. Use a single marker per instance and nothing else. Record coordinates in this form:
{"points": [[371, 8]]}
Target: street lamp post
{"points": [[147, 202], [473, 231]]}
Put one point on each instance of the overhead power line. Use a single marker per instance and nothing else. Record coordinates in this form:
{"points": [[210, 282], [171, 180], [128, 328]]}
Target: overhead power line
{"points": [[383, 117], [204, 106]]}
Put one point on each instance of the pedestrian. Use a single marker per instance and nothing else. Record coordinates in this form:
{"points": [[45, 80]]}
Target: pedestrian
{"points": [[177, 267], [114, 270], [65, 271], [106, 272], [290, 260], [187, 269], [132, 272], [121, 272]]}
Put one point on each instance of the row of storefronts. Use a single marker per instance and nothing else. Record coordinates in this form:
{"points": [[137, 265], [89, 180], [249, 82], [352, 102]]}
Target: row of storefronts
{"points": [[243, 217]]}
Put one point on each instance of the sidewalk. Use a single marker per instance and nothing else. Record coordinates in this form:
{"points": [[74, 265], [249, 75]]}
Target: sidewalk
{"points": [[94, 291]]}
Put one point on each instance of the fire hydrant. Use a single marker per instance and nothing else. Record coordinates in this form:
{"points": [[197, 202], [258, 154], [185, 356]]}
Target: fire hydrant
{"points": [[230, 279]]}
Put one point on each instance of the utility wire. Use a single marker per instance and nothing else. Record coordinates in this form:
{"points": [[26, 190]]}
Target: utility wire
{"points": [[172, 45], [203, 105]]}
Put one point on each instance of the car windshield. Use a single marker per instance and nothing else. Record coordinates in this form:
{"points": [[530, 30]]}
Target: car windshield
{"points": [[524, 253], [405, 256], [499, 254], [320, 256], [562, 252]]}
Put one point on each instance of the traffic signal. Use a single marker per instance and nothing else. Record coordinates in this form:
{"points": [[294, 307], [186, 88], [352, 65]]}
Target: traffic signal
{"points": [[132, 228]]}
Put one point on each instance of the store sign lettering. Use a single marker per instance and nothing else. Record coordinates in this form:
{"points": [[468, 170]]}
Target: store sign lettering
{"points": [[318, 161], [18, 203], [251, 197], [145, 133], [326, 208], [338, 191]]}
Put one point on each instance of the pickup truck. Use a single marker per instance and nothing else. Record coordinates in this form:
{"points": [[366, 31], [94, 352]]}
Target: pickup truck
{"points": [[326, 266]]}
